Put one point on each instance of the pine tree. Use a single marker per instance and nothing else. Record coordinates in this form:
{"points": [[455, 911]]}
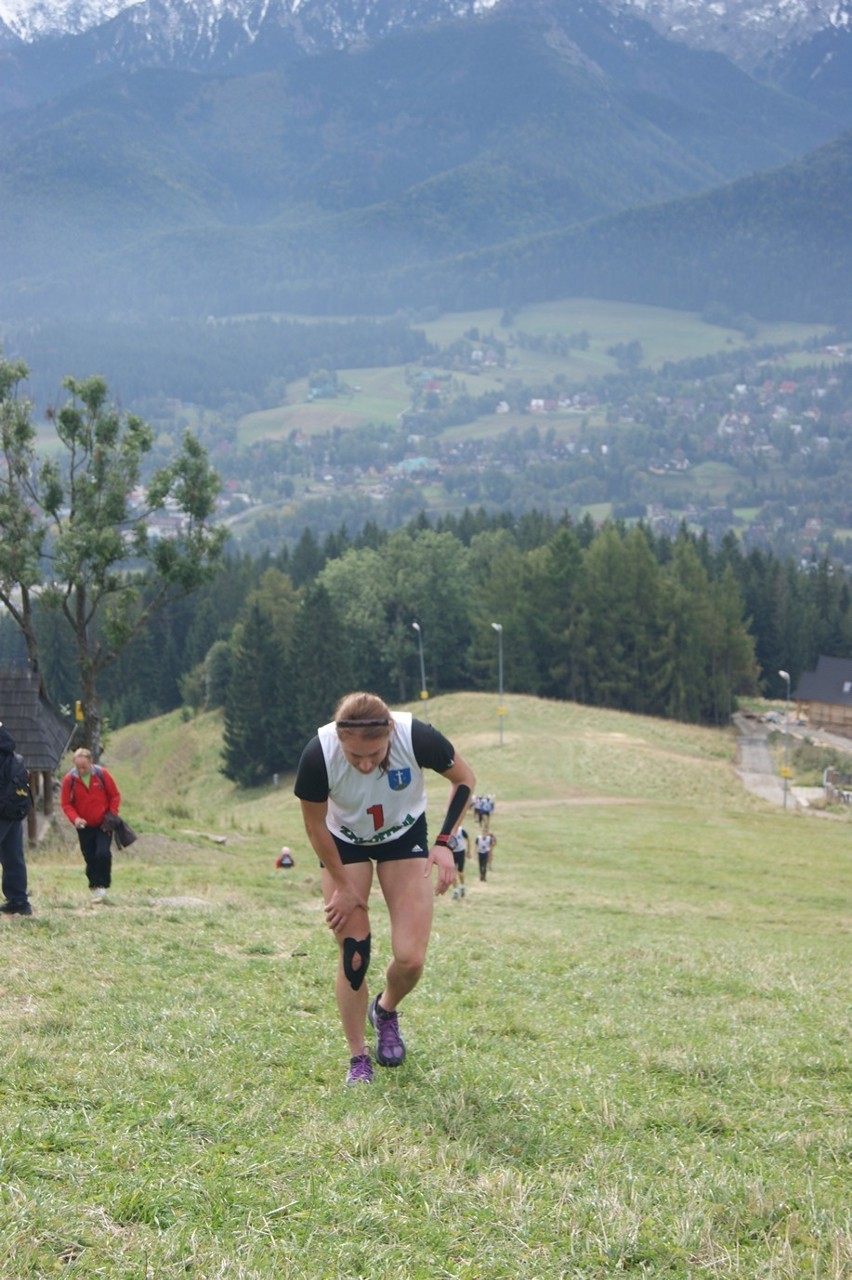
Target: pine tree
{"points": [[686, 664], [554, 616], [619, 621], [253, 750], [319, 671], [732, 668], [307, 559]]}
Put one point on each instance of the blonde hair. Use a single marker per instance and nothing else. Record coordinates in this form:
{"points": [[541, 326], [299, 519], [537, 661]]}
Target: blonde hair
{"points": [[363, 713], [367, 716]]}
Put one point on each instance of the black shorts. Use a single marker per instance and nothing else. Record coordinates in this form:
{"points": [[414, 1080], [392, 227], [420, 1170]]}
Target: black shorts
{"points": [[413, 843], [459, 857]]}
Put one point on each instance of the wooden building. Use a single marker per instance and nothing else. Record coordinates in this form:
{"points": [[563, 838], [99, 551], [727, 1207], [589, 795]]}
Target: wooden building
{"points": [[824, 697], [42, 736]]}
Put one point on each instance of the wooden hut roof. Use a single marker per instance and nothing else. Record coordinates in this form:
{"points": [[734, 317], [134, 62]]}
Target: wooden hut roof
{"points": [[831, 683], [41, 733]]}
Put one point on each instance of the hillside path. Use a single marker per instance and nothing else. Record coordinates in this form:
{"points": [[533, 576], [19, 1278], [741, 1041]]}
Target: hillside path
{"points": [[755, 766]]}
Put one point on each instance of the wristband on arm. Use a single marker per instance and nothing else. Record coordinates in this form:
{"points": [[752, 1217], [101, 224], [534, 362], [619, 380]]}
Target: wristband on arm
{"points": [[458, 804]]}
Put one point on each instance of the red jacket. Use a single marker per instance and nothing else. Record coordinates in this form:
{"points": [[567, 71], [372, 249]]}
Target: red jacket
{"points": [[93, 802]]}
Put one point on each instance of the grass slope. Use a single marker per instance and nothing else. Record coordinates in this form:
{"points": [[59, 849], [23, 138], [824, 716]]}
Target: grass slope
{"points": [[628, 1055]]}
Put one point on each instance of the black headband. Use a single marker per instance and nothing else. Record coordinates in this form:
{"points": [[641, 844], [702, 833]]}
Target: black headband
{"points": [[362, 724]]}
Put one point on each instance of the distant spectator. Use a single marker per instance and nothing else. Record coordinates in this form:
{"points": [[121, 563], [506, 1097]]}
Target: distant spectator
{"points": [[15, 893], [89, 794]]}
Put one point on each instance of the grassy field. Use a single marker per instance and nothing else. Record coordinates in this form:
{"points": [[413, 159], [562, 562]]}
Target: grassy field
{"points": [[384, 393], [381, 396], [629, 1054], [714, 480], [664, 334]]}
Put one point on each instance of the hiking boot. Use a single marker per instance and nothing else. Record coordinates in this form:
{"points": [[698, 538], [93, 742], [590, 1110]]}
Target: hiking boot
{"points": [[390, 1049], [16, 909], [360, 1069]]}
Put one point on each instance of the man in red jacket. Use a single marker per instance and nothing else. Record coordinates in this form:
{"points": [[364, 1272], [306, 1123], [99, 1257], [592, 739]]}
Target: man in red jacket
{"points": [[88, 795]]}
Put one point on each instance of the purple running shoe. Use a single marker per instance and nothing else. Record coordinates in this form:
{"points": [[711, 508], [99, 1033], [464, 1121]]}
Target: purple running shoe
{"points": [[390, 1048], [360, 1069]]}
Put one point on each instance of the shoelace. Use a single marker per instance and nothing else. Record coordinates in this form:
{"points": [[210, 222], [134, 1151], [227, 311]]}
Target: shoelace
{"points": [[389, 1032]]}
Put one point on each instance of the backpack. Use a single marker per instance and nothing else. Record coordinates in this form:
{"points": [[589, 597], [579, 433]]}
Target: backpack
{"points": [[16, 798]]}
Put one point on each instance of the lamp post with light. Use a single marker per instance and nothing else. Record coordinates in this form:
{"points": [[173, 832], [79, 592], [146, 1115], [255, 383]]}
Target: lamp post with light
{"points": [[501, 710], [785, 676], [424, 693]]}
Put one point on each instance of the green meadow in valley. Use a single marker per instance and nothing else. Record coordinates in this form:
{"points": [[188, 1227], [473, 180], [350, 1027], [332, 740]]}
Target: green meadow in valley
{"points": [[380, 395], [629, 1054]]}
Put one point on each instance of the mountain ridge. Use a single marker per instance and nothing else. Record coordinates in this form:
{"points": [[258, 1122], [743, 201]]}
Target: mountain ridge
{"points": [[425, 145], [758, 23], [797, 42], [777, 245]]}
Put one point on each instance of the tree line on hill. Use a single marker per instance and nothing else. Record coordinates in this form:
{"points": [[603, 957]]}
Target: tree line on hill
{"points": [[612, 616], [216, 363]]}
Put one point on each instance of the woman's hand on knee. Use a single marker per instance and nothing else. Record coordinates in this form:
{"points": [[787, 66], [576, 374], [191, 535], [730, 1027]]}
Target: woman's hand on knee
{"points": [[343, 903]]}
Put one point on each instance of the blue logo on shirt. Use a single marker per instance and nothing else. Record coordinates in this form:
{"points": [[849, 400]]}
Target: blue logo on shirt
{"points": [[399, 779]]}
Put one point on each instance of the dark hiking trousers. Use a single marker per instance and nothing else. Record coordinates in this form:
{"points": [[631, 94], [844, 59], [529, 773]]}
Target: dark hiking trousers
{"points": [[96, 847]]}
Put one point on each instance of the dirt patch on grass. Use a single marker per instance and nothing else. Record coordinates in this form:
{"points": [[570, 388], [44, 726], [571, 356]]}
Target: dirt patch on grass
{"points": [[182, 901], [554, 802], [152, 847]]}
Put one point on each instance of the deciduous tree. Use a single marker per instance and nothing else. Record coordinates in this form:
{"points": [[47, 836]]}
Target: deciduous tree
{"points": [[77, 522], [21, 531]]}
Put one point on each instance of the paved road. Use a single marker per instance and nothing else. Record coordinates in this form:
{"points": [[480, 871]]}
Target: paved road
{"points": [[755, 764]]}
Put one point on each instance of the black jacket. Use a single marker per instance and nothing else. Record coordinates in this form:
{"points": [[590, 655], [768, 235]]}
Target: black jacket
{"points": [[7, 753]]}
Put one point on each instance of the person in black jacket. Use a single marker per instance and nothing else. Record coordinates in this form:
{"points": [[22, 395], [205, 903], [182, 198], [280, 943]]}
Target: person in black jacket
{"points": [[14, 883]]}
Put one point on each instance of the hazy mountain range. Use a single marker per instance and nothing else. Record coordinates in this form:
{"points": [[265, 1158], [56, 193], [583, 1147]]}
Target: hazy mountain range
{"points": [[745, 30], [345, 155], [802, 44]]}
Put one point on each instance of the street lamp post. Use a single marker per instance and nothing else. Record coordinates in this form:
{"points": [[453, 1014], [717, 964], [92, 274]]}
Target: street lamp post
{"points": [[424, 693], [785, 676], [501, 710]]}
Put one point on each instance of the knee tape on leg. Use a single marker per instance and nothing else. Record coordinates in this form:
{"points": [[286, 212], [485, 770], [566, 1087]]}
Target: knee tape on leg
{"points": [[352, 948]]}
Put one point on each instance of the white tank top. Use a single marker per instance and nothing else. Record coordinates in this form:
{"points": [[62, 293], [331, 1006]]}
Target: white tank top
{"points": [[370, 808]]}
